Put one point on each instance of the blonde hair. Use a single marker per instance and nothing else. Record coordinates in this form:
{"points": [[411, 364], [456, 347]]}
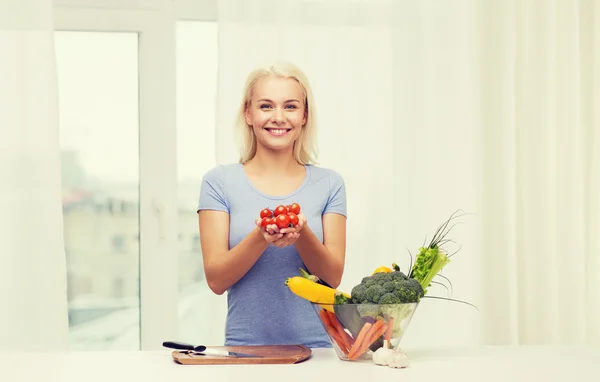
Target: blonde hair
{"points": [[305, 148]]}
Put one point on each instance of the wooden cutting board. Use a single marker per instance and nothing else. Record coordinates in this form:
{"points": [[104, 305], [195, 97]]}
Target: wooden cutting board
{"points": [[271, 354]]}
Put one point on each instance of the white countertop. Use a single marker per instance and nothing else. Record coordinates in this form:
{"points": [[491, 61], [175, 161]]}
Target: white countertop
{"points": [[474, 364]]}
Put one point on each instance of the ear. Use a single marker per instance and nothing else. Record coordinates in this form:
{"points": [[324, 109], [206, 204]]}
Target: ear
{"points": [[247, 115]]}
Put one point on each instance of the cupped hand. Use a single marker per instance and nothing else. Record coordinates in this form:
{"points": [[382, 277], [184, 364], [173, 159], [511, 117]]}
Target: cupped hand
{"points": [[270, 233], [282, 237], [297, 228], [291, 233]]}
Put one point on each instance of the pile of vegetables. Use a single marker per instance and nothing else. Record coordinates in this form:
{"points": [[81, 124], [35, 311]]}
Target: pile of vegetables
{"points": [[371, 316], [282, 216]]}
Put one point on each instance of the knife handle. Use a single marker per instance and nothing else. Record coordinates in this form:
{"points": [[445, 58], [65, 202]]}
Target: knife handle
{"points": [[178, 345]]}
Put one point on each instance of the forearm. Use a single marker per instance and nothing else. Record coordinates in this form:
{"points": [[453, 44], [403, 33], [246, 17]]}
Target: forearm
{"points": [[318, 258], [227, 268]]}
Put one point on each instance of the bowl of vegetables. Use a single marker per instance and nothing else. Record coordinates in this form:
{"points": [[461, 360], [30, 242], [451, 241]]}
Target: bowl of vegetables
{"points": [[358, 331], [368, 323], [375, 315]]}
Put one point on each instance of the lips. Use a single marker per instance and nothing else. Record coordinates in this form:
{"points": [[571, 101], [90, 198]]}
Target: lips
{"points": [[278, 132]]}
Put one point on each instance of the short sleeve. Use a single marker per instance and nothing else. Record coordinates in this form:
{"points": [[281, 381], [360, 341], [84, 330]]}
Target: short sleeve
{"points": [[212, 195], [336, 202]]}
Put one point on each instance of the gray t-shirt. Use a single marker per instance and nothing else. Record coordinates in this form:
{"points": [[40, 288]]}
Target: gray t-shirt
{"points": [[261, 308]]}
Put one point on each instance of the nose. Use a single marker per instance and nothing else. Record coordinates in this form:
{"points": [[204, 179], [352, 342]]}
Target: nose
{"points": [[277, 116]]}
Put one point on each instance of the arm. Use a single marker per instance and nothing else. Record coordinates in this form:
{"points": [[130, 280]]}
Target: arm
{"points": [[224, 267], [325, 260]]}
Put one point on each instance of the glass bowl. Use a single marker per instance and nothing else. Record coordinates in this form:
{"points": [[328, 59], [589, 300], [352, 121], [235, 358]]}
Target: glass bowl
{"points": [[356, 331]]}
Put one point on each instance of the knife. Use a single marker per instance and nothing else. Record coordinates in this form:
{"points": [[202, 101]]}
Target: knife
{"points": [[203, 350]]}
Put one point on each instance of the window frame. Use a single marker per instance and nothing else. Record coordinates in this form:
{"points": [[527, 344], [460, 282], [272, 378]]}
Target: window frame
{"points": [[154, 23]]}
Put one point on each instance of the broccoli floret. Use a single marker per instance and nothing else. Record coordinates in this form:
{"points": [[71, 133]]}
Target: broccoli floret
{"points": [[368, 310], [389, 298], [340, 299], [382, 278], [389, 287], [398, 276], [387, 294], [395, 286], [368, 283], [359, 294], [409, 291], [374, 293]]}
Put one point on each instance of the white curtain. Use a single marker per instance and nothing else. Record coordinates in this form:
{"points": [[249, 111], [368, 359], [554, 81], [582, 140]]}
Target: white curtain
{"points": [[430, 107], [32, 261]]}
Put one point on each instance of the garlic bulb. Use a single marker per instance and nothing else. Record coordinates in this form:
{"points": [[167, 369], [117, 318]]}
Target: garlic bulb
{"points": [[382, 355], [398, 359]]}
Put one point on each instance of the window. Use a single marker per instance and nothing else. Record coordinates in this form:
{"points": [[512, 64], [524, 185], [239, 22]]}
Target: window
{"points": [[196, 44], [98, 106], [117, 71]]}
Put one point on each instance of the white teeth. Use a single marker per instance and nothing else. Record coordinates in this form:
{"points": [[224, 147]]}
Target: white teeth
{"points": [[278, 131]]}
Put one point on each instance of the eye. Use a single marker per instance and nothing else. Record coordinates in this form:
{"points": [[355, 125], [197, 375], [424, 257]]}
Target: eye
{"points": [[292, 106], [264, 106]]}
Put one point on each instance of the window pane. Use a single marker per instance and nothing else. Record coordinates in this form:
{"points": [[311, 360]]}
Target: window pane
{"points": [[196, 93], [98, 90]]}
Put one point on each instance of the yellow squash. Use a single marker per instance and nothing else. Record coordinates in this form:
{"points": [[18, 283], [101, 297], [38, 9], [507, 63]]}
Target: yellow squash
{"points": [[312, 291], [382, 269]]}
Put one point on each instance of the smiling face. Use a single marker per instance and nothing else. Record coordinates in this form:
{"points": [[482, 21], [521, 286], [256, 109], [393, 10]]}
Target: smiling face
{"points": [[276, 112]]}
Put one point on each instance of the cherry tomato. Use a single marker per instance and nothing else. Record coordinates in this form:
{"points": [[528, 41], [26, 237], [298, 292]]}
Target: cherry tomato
{"points": [[280, 210], [282, 221], [293, 218], [266, 213], [295, 208], [265, 222], [271, 220]]}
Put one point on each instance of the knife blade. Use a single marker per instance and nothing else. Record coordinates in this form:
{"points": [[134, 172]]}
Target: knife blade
{"points": [[222, 353]]}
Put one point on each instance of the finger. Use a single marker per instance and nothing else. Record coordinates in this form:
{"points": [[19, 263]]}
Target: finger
{"points": [[284, 241], [288, 239], [273, 238]]}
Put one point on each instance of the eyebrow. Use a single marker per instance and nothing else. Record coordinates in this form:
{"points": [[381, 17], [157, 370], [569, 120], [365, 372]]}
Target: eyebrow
{"points": [[268, 100]]}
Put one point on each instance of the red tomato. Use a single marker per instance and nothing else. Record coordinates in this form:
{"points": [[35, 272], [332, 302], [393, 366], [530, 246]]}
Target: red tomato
{"points": [[271, 220], [293, 218], [295, 208], [264, 222], [282, 221], [266, 213], [280, 210]]}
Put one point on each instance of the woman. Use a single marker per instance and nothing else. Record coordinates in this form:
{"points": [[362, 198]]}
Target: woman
{"points": [[251, 263]]}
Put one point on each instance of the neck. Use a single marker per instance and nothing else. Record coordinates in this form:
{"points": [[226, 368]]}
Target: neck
{"points": [[277, 162]]}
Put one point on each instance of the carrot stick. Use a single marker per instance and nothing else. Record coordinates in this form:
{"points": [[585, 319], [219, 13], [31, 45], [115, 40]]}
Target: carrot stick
{"points": [[338, 340], [348, 341], [359, 339], [375, 333], [368, 342], [333, 332], [390, 329], [378, 328]]}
